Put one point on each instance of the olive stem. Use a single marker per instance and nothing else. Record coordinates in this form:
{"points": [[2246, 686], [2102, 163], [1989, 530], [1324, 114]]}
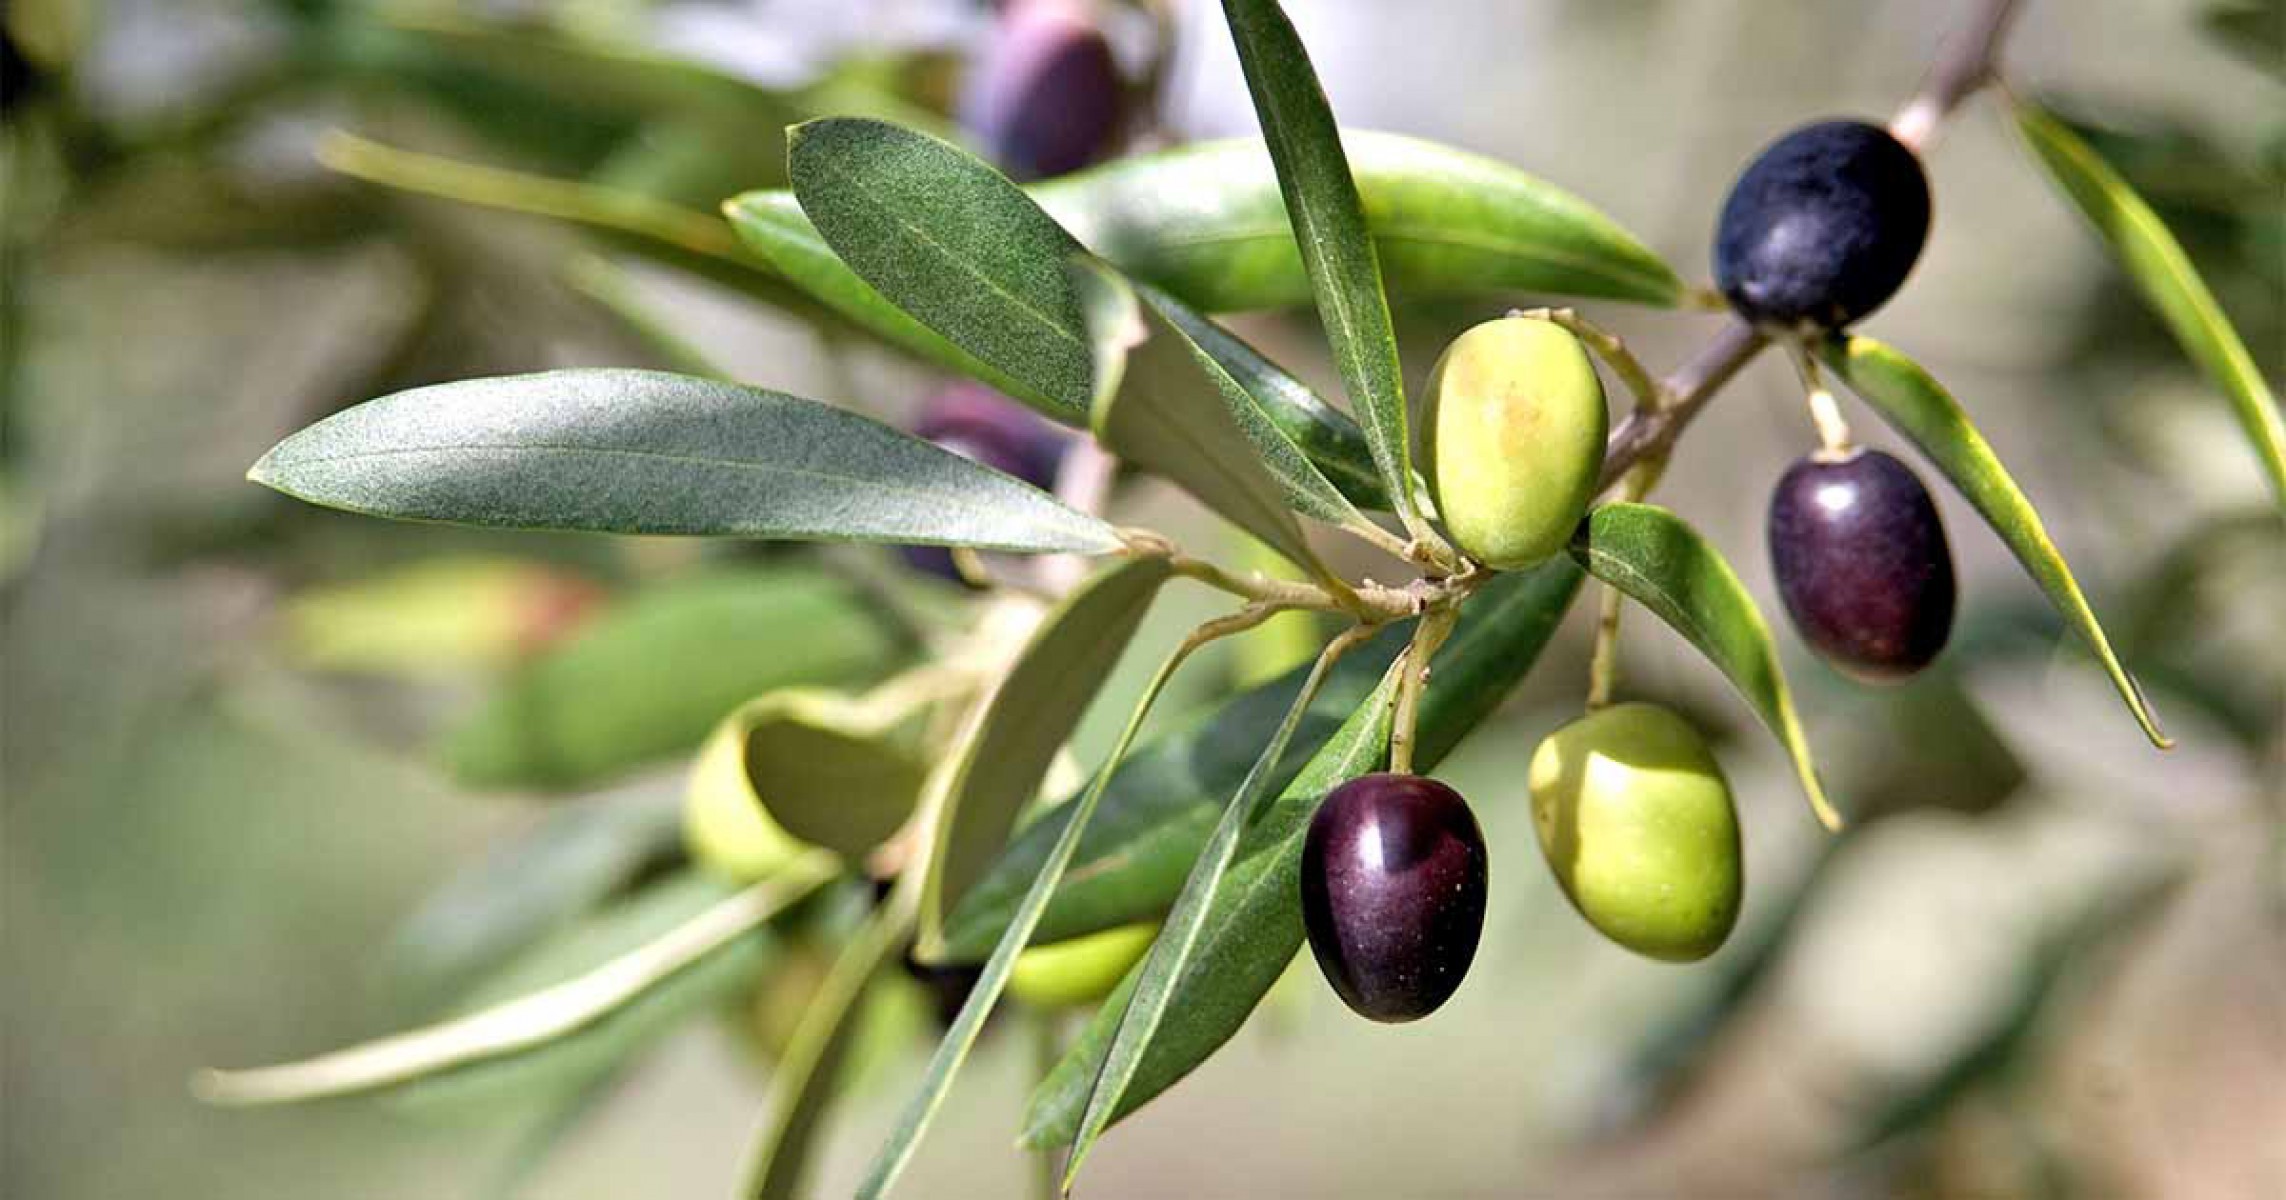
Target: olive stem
{"points": [[1825, 412], [1603, 663], [1436, 625], [1369, 603], [1608, 346], [1966, 65], [1046, 1051]]}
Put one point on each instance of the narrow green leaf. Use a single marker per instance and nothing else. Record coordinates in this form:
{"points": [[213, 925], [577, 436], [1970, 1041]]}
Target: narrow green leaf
{"points": [[1329, 227], [1016, 732], [1920, 408], [2163, 273], [626, 987], [1160, 809], [952, 1051], [1161, 970], [2255, 30], [952, 242], [615, 451], [1664, 565], [1205, 222], [1255, 925], [686, 239], [1167, 408], [651, 677], [830, 770], [591, 72], [539, 882], [773, 226], [808, 1075]]}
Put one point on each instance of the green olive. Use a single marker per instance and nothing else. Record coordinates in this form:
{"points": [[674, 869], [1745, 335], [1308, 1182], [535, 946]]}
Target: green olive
{"points": [[1081, 971], [724, 825], [1639, 828], [1514, 427]]}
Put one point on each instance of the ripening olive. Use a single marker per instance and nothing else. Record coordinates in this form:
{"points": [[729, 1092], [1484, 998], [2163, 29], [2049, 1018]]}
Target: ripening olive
{"points": [[1822, 227], [1515, 426], [1081, 971], [1393, 888], [1637, 824], [1046, 96], [1862, 563], [724, 826]]}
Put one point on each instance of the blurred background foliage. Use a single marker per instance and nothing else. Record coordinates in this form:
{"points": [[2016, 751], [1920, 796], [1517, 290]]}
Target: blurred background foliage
{"points": [[278, 778]]}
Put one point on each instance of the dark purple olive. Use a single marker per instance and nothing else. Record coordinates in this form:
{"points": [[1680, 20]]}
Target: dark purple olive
{"points": [[1822, 227], [1393, 882], [980, 424], [1862, 563], [1046, 97]]}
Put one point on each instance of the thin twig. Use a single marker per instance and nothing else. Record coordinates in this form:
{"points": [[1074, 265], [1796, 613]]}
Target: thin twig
{"points": [[1965, 65]]}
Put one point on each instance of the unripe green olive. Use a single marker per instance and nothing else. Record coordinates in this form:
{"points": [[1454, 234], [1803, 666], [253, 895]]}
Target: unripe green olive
{"points": [[1514, 435], [1638, 826], [725, 827], [1081, 971]]}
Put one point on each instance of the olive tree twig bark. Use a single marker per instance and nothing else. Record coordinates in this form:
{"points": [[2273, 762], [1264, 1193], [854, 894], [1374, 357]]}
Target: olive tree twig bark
{"points": [[1964, 66]]}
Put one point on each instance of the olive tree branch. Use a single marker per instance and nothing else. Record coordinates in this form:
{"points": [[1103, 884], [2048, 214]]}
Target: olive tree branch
{"points": [[1964, 66]]}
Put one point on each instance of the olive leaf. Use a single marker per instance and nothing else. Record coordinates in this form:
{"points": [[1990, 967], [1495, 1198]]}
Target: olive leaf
{"points": [[1001, 758], [2152, 257], [1164, 406], [1329, 226], [1159, 809], [1917, 406], [829, 769], [683, 238], [1255, 925], [773, 226], [1205, 222], [807, 1077], [1663, 564], [611, 1005], [952, 1051], [951, 242], [1161, 971], [616, 451], [650, 677]]}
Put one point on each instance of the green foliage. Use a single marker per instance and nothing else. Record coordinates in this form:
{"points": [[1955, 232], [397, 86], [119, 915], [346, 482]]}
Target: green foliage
{"points": [[649, 678]]}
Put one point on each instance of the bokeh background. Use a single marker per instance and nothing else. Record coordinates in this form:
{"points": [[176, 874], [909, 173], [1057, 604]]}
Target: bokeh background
{"points": [[2047, 961]]}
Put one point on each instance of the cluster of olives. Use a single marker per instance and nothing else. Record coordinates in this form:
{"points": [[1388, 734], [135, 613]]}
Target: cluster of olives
{"points": [[1632, 812]]}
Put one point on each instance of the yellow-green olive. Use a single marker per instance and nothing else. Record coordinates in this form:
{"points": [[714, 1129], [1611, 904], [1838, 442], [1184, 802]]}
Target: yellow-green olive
{"points": [[724, 826], [1638, 825], [1514, 426], [1081, 971]]}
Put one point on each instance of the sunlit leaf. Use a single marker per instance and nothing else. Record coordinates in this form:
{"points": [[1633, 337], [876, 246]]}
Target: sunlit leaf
{"points": [[1329, 226], [1166, 407], [1920, 408], [952, 242], [651, 677], [1255, 925], [591, 1002], [1205, 222], [1664, 565], [616, 451], [1014, 737], [2163, 273]]}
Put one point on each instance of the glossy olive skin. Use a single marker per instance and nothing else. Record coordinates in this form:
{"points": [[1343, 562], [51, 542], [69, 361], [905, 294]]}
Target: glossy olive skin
{"points": [[980, 424], [1862, 563], [1638, 826], [1393, 893], [1822, 227], [1514, 426], [1046, 97]]}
